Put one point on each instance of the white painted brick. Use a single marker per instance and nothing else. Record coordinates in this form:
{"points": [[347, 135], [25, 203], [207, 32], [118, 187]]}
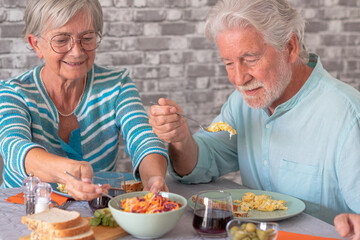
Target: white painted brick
{"points": [[196, 3], [335, 26], [117, 15], [107, 3], [174, 14], [336, 13], [202, 83], [139, 3], [152, 29], [204, 56], [20, 46], [104, 59], [176, 70], [331, 2], [15, 15], [310, 13], [178, 43], [120, 3], [152, 58], [200, 28]]}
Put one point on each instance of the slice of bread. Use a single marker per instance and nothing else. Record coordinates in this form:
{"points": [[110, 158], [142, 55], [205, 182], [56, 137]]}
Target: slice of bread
{"points": [[133, 186], [83, 227], [54, 218], [89, 235], [58, 224]]}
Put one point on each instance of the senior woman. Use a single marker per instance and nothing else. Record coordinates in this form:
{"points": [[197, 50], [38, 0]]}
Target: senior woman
{"points": [[69, 113]]}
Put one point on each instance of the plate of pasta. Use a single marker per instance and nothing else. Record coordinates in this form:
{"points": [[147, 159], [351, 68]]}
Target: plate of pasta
{"points": [[249, 204]]}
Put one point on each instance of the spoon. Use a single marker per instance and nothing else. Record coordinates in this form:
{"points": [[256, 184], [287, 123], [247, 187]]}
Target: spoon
{"points": [[103, 193], [187, 117]]}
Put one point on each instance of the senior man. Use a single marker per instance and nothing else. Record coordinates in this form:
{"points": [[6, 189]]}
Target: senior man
{"points": [[297, 127]]}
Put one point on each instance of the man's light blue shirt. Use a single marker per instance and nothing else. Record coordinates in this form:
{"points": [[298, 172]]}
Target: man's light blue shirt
{"points": [[309, 148]]}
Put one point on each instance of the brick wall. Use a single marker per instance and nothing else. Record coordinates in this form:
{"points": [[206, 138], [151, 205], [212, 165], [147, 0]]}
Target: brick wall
{"points": [[162, 43]]}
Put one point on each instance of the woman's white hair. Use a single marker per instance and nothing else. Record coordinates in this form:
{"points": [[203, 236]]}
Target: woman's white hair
{"points": [[41, 15], [275, 19]]}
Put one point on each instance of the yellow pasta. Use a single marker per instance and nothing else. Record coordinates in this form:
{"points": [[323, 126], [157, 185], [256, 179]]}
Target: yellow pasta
{"points": [[221, 126], [61, 188], [262, 202]]}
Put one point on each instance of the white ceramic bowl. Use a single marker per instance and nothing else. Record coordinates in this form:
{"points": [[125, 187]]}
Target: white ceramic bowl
{"points": [[235, 232], [143, 225]]}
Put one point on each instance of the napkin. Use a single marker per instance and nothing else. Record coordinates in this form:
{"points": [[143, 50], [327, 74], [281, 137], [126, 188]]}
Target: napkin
{"points": [[19, 198], [282, 235]]}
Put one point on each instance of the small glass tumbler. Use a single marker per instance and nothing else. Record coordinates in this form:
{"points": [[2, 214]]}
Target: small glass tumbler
{"points": [[117, 187], [212, 211], [29, 184]]}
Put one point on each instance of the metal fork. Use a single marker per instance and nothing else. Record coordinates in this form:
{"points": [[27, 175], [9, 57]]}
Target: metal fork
{"points": [[187, 117], [65, 204]]}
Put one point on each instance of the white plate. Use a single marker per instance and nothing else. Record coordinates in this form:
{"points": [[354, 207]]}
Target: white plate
{"points": [[295, 206], [128, 176]]}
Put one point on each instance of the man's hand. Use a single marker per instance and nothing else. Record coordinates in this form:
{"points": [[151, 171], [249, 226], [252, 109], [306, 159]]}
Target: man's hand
{"points": [[166, 124], [348, 225]]}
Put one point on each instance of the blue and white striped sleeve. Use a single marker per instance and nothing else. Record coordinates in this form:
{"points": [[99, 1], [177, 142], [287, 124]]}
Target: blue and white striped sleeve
{"points": [[15, 135], [138, 136]]}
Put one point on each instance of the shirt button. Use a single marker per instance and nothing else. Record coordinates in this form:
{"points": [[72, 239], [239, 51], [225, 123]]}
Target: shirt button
{"points": [[267, 125], [265, 162]]}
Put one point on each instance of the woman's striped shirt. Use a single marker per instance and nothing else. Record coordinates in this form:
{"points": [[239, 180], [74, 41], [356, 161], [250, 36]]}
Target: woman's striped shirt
{"points": [[111, 106]]}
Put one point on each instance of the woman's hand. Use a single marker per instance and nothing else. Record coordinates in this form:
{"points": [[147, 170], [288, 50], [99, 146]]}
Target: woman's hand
{"points": [[156, 184], [83, 189], [38, 161], [152, 171], [348, 225]]}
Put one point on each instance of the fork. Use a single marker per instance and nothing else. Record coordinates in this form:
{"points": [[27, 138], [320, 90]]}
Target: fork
{"points": [[65, 204], [187, 117]]}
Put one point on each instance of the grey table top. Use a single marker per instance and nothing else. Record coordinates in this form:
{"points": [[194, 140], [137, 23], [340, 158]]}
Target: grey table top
{"points": [[12, 228]]}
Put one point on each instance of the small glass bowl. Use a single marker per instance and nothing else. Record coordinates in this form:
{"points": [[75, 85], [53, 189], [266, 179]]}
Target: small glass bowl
{"points": [[251, 229]]}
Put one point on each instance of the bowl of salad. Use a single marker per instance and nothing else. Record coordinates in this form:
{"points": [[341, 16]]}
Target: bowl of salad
{"points": [[147, 215]]}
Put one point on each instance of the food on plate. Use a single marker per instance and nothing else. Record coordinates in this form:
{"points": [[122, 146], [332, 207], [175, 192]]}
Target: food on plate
{"points": [[150, 203], [61, 188], [58, 224], [239, 213], [133, 186], [103, 216], [250, 231], [262, 202], [221, 126], [251, 201]]}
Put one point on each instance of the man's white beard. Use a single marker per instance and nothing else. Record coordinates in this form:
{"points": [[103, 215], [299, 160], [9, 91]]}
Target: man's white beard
{"points": [[271, 95]]}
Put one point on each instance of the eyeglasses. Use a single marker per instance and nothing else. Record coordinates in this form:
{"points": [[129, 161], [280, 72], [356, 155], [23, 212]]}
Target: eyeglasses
{"points": [[63, 43]]}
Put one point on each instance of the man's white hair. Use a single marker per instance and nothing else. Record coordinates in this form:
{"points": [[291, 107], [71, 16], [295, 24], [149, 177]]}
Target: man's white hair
{"points": [[275, 19]]}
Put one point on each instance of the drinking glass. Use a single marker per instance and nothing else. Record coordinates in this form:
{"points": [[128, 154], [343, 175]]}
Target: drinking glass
{"points": [[212, 211], [117, 187]]}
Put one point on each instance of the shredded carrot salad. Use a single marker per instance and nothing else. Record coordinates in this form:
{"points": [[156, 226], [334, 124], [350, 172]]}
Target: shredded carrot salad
{"points": [[150, 203]]}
